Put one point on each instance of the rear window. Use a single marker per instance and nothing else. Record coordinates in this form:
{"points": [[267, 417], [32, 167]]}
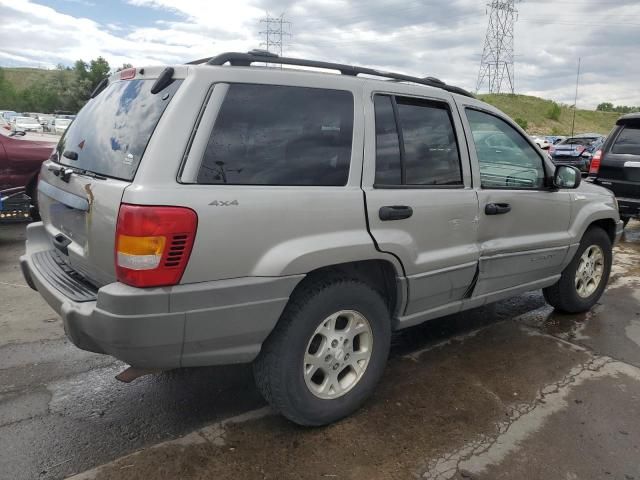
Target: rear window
{"points": [[280, 135], [112, 130], [585, 141], [628, 141]]}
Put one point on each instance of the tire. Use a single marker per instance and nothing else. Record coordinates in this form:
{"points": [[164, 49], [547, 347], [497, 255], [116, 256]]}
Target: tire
{"points": [[571, 295], [625, 220], [280, 368]]}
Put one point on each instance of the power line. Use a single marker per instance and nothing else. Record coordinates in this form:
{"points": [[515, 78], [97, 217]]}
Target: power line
{"points": [[496, 65], [275, 30]]}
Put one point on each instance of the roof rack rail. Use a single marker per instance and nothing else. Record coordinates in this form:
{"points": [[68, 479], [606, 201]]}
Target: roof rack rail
{"points": [[262, 56]]}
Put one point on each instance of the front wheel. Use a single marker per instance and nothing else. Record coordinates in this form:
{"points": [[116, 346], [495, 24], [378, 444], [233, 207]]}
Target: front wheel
{"points": [[327, 352], [583, 281]]}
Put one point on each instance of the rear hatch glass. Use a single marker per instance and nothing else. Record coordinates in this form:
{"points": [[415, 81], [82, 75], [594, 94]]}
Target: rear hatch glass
{"points": [[107, 139], [628, 142], [111, 132]]}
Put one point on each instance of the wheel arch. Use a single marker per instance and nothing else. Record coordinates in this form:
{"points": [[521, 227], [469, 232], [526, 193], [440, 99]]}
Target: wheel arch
{"points": [[383, 275]]}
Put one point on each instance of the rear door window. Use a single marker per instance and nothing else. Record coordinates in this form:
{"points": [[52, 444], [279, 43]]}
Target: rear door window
{"points": [[111, 132], [280, 135], [415, 143], [628, 141]]}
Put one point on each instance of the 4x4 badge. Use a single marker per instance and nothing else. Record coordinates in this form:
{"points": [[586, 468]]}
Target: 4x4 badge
{"points": [[225, 203]]}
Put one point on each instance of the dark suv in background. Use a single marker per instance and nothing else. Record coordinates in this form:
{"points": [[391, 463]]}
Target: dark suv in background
{"points": [[617, 165]]}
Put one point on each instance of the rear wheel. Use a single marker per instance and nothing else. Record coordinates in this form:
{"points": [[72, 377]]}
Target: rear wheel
{"points": [[585, 278], [327, 352]]}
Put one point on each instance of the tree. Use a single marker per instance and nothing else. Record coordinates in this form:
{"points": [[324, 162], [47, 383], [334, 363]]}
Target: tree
{"points": [[605, 107], [80, 69], [98, 70]]}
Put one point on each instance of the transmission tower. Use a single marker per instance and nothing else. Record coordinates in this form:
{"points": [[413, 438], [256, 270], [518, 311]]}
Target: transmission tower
{"points": [[276, 30], [496, 66]]}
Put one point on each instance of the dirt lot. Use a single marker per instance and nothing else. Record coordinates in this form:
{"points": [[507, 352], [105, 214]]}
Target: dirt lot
{"points": [[509, 391]]}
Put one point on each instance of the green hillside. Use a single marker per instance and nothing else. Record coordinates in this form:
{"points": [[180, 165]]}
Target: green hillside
{"points": [[24, 78], [536, 112]]}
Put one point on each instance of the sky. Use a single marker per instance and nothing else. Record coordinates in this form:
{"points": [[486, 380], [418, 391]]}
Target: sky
{"points": [[441, 38]]}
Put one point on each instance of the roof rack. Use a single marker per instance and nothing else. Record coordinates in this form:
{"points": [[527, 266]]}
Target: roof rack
{"points": [[263, 56]]}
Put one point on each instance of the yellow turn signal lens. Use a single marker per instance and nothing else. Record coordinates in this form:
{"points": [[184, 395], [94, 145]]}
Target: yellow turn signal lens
{"points": [[141, 245]]}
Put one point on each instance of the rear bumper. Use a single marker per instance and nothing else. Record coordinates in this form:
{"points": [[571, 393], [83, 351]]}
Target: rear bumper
{"points": [[209, 323]]}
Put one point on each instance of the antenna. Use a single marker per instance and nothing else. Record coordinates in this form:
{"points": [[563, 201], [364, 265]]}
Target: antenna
{"points": [[496, 66], [276, 28]]}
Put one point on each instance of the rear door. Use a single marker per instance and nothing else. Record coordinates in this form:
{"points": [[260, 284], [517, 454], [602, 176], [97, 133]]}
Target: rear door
{"points": [[523, 231], [81, 186], [620, 164], [420, 203]]}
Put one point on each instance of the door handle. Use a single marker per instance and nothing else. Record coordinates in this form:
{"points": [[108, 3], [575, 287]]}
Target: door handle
{"points": [[395, 212], [497, 208]]}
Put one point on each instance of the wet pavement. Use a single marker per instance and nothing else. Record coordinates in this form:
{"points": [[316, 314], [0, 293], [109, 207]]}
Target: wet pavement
{"points": [[512, 390]]}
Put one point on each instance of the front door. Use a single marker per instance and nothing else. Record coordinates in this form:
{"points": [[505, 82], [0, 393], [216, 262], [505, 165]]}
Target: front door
{"points": [[523, 232], [420, 203]]}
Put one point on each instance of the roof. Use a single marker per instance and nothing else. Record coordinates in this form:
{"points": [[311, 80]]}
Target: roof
{"points": [[628, 118]]}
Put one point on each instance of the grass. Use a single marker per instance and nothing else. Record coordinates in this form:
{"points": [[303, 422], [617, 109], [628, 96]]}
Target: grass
{"points": [[536, 111], [23, 78]]}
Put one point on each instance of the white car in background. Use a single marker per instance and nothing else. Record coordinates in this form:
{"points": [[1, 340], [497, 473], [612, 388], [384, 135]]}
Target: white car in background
{"points": [[25, 124], [542, 142], [60, 125]]}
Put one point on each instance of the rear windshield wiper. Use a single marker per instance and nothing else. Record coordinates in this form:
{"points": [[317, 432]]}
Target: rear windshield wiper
{"points": [[64, 172], [70, 154]]}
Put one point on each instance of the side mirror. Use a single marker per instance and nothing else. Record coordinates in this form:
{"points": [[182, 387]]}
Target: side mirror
{"points": [[566, 176], [18, 133]]}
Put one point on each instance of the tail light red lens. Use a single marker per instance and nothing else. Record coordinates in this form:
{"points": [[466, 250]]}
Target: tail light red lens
{"points": [[153, 244], [127, 73], [594, 166]]}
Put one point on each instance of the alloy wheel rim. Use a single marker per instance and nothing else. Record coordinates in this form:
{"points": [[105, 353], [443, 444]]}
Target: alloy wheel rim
{"points": [[337, 354], [590, 271]]}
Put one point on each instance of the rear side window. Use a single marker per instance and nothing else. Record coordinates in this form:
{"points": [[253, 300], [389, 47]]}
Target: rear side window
{"points": [[628, 141], [112, 130], [280, 135], [415, 143]]}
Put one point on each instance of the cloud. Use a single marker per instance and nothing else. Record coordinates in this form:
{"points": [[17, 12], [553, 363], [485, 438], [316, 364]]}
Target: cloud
{"points": [[439, 38]]}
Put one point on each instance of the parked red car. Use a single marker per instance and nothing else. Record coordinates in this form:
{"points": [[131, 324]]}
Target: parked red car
{"points": [[20, 161]]}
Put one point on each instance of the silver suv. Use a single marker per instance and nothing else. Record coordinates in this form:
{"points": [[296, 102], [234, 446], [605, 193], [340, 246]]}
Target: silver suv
{"points": [[209, 214]]}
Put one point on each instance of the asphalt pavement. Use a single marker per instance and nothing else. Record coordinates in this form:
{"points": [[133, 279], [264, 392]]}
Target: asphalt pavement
{"points": [[511, 390]]}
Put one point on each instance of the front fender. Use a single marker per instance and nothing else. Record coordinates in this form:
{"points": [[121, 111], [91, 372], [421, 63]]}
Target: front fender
{"points": [[591, 203]]}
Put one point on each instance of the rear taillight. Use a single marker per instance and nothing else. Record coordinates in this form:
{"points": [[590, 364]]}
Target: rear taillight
{"points": [[153, 244], [594, 167]]}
